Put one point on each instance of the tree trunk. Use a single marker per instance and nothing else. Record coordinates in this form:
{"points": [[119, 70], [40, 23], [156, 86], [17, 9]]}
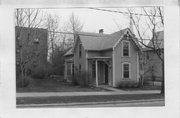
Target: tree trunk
{"points": [[22, 76], [162, 86]]}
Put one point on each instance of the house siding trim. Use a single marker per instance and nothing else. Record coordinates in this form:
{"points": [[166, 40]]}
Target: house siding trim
{"points": [[96, 73], [137, 66], [113, 83], [86, 60], [121, 38]]}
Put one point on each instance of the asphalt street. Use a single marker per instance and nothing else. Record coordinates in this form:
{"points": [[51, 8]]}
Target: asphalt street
{"points": [[148, 103]]}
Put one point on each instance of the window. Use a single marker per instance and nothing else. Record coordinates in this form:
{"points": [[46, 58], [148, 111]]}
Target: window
{"points": [[93, 70], [68, 68], [36, 41], [147, 56], [72, 69], [125, 49], [126, 70], [79, 68], [80, 48], [17, 50]]}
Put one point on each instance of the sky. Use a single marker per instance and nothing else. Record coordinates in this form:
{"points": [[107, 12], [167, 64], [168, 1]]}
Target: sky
{"points": [[93, 20]]}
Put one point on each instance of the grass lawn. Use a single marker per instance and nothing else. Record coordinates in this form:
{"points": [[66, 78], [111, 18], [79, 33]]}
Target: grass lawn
{"points": [[146, 87], [75, 99], [52, 85]]}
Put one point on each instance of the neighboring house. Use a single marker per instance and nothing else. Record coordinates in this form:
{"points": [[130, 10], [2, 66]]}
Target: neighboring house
{"points": [[31, 46], [107, 58], [69, 65], [152, 63]]}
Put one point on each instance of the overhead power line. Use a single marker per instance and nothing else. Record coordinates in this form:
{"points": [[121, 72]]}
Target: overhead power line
{"points": [[127, 13], [79, 33]]}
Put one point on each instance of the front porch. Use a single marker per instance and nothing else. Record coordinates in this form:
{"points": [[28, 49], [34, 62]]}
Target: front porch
{"points": [[100, 71], [68, 70]]}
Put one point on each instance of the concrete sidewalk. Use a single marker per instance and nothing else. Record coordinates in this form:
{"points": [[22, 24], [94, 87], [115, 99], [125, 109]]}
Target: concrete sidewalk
{"points": [[60, 94]]}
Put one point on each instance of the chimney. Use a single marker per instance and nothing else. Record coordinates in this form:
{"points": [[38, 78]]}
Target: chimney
{"points": [[101, 31]]}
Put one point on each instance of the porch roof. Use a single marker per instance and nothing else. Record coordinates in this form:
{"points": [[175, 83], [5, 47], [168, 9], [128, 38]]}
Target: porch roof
{"points": [[99, 57], [69, 60]]}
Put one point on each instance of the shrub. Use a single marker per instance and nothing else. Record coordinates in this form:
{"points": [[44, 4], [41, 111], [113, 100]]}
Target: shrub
{"points": [[49, 70], [39, 72], [81, 79], [26, 82], [74, 79], [128, 84]]}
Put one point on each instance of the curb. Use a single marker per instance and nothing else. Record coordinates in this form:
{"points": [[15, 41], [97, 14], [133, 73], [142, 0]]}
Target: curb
{"points": [[87, 103], [72, 95]]}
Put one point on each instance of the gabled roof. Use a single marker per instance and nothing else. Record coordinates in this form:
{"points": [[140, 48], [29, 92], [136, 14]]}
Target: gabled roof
{"points": [[158, 41], [69, 52], [98, 42], [19, 28]]}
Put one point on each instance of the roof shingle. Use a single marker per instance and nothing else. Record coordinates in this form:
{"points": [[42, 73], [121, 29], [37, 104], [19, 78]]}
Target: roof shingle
{"points": [[95, 41]]}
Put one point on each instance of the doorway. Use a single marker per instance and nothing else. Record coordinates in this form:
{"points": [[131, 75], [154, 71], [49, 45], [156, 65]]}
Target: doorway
{"points": [[106, 74]]}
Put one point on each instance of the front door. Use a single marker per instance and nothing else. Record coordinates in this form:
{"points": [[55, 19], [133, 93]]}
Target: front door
{"points": [[106, 74]]}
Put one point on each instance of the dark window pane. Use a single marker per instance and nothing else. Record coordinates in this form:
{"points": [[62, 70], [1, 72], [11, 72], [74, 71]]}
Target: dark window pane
{"points": [[125, 49], [126, 74], [126, 70]]}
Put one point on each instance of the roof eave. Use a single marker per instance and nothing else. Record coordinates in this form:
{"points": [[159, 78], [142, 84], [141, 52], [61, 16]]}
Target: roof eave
{"points": [[99, 50]]}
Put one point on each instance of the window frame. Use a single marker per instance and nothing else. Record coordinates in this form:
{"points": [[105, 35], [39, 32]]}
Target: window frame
{"points": [[129, 54], [129, 70]]}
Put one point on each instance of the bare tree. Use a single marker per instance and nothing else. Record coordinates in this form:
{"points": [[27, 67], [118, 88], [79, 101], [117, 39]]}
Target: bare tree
{"points": [[52, 24], [74, 25], [155, 20], [26, 19]]}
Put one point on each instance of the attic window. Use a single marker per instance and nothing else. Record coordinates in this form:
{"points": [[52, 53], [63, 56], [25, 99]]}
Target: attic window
{"points": [[36, 40], [18, 51], [18, 38], [126, 48]]}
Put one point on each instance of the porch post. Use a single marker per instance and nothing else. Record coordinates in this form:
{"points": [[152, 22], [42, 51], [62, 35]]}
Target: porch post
{"points": [[65, 70], [96, 73]]}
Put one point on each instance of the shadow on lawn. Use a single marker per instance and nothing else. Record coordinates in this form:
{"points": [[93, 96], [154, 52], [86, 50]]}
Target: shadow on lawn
{"points": [[145, 87], [53, 85]]}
